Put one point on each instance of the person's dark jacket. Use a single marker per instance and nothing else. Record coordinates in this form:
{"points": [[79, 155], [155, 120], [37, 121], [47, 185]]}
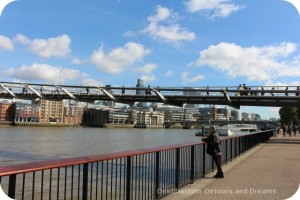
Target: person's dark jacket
{"points": [[213, 143]]}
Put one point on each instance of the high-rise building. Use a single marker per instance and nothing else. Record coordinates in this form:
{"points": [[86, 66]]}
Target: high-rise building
{"points": [[140, 84]]}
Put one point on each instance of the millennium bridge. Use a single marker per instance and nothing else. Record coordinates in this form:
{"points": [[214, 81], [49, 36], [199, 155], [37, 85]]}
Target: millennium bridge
{"points": [[145, 174], [234, 96]]}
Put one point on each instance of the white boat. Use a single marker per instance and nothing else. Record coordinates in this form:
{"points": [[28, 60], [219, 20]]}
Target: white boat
{"points": [[236, 129]]}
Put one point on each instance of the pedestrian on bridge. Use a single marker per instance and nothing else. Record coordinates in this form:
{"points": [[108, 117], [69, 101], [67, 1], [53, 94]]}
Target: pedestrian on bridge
{"points": [[123, 90], [245, 88], [272, 90], [207, 90], [214, 149], [148, 91], [42, 89], [298, 89], [286, 93], [238, 90], [262, 91]]}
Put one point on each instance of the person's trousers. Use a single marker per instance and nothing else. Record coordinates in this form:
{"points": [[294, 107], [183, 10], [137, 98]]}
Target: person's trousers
{"points": [[218, 161]]}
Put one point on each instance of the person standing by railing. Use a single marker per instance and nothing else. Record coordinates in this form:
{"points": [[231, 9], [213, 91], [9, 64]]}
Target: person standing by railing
{"points": [[214, 149]]}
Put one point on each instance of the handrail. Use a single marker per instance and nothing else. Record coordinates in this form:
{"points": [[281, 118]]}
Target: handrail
{"points": [[148, 173], [64, 162]]}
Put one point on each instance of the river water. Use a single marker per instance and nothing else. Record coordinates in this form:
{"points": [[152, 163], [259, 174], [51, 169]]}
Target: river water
{"points": [[32, 144]]}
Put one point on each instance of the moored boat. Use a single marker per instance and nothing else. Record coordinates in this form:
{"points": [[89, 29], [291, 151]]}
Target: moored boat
{"points": [[236, 129]]}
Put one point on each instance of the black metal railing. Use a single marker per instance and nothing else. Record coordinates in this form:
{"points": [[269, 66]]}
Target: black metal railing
{"points": [[142, 174]]}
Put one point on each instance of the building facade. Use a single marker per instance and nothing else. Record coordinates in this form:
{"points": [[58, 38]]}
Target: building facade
{"points": [[7, 111], [149, 118], [119, 116], [95, 117], [26, 112], [51, 111], [73, 115]]}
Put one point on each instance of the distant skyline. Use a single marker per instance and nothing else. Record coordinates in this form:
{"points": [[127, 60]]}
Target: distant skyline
{"points": [[188, 43]]}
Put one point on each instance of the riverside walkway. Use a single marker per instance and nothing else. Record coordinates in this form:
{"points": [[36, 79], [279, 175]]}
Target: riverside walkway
{"points": [[268, 171]]}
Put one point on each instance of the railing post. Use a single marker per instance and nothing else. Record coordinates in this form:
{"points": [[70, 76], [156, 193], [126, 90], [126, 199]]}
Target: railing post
{"points": [[203, 160], [12, 186], [85, 175], [226, 154], [128, 178], [240, 145], [231, 149], [235, 147], [157, 175], [192, 163], [177, 168]]}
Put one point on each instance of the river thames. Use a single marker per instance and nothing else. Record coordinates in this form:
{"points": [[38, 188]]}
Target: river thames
{"points": [[32, 144]]}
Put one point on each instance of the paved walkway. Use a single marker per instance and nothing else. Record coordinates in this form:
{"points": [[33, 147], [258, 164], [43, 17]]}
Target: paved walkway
{"points": [[268, 171]]}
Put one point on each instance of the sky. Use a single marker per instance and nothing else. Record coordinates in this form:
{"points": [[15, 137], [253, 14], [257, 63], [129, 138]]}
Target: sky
{"points": [[167, 43]]}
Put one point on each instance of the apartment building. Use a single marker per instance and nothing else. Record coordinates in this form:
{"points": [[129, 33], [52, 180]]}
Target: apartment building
{"points": [[73, 114], [51, 111], [26, 112], [7, 111]]}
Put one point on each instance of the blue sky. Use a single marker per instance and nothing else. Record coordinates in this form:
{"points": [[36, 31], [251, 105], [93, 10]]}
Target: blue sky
{"points": [[164, 42]]}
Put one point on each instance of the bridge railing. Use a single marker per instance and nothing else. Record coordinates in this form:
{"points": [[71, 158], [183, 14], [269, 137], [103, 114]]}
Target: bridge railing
{"points": [[141, 174], [22, 88]]}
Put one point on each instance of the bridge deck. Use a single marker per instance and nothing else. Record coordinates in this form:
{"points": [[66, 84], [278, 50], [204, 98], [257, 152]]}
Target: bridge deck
{"points": [[271, 168], [277, 96]]}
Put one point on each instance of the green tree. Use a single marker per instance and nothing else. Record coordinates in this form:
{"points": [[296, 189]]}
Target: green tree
{"points": [[289, 115]]}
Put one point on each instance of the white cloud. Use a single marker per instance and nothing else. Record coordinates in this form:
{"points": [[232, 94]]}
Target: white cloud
{"points": [[43, 72], [279, 83], [118, 59], [216, 8], [162, 14], [172, 32], [148, 78], [146, 69], [77, 61], [6, 43], [187, 78], [255, 63], [22, 39], [129, 34], [52, 47], [169, 73]]}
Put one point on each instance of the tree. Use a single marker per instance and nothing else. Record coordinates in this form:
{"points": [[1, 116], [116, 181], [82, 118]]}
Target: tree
{"points": [[289, 115]]}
